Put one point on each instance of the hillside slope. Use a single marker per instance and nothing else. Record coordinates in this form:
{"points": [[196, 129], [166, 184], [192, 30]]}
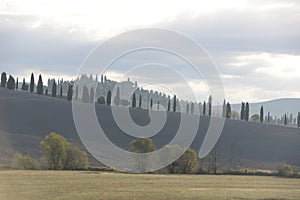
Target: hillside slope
{"points": [[26, 118]]}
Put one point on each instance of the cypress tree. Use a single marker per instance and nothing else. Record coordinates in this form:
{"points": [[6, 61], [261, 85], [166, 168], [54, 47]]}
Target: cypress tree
{"points": [[76, 92], [151, 103], [117, 99], [187, 108], [40, 85], [3, 79], [192, 108], [46, 92], [17, 84], [247, 112], [224, 109], [140, 101], [174, 103], [243, 111], [209, 105], [31, 86], [268, 116], [285, 120], [261, 115], [11, 83], [108, 98], [54, 89], [158, 105], [85, 94], [169, 104], [92, 95], [70, 92], [133, 101], [23, 85], [204, 108], [61, 92], [228, 111]]}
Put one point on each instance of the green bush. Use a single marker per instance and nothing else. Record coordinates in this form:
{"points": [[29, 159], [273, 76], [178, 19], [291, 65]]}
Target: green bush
{"points": [[24, 162], [75, 159], [285, 170]]}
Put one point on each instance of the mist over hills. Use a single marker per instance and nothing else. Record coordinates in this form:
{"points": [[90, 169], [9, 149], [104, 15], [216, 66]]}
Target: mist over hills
{"points": [[26, 118]]}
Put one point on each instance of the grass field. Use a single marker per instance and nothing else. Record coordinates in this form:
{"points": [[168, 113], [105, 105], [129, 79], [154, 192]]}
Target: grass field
{"points": [[97, 185]]}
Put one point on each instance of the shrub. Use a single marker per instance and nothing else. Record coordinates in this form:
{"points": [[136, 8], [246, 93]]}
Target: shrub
{"points": [[285, 170], [24, 162], [75, 159]]}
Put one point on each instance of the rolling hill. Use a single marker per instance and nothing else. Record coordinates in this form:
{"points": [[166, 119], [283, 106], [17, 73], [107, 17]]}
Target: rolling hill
{"points": [[26, 118]]}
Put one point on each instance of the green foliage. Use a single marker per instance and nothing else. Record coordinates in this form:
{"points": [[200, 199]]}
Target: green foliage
{"points": [[285, 170], [140, 101], [24, 162], [247, 112], [75, 159], [174, 103], [54, 148], [142, 160], [255, 117], [204, 108], [168, 154], [188, 162], [59, 154]]}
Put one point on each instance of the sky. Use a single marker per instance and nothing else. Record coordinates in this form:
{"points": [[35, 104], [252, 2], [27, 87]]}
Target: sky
{"points": [[255, 44]]}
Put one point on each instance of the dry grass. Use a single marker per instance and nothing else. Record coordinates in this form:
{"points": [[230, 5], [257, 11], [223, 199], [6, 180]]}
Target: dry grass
{"points": [[96, 185]]}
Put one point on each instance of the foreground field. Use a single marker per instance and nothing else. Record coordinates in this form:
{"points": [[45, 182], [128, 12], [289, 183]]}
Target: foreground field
{"points": [[96, 185]]}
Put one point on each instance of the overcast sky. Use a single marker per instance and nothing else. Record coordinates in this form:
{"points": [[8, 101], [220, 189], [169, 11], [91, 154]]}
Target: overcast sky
{"points": [[255, 44]]}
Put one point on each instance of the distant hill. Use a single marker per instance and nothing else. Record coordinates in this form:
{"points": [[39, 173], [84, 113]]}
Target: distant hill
{"points": [[277, 107], [26, 118]]}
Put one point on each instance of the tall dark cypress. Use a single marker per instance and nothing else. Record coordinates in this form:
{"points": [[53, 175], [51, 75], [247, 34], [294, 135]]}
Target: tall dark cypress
{"points": [[31, 86], [204, 108], [192, 107], [54, 89], [140, 101], [224, 109], [40, 85], [108, 98], [158, 105], [247, 112], [210, 105], [3, 79], [85, 94], [228, 111], [133, 100], [17, 84], [187, 108], [92, 95], [11, 84], [151, 103], [285, 120], [243, 111], [261, 114], [23, 85], [169, 104], [70, 92], [174, 103], [61, 92], [76, 92]]}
